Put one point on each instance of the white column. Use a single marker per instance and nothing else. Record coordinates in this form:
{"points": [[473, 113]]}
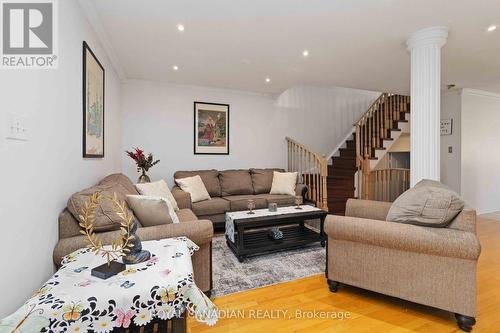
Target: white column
{"points": [[425, 47]]}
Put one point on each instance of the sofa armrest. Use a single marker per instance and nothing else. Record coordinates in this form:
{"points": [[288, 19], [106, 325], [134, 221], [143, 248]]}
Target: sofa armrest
{"points": [[183, 198], [367, 209], [200, 232], [442, 242], [301, 189]]}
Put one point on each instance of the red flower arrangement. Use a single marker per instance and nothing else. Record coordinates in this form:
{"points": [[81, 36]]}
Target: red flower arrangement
{"points": [[143, 162]]}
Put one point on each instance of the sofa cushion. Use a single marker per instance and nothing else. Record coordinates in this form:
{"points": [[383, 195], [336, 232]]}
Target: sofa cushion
{"points": [[426, 204], [106, 218], [284, 183], [235, 182], [262, 179], [210, 179], [211, 207], [240, 202], [186, 215], [157, 189], [152, 210], [195, 187], [119, 179], [281, 200]]}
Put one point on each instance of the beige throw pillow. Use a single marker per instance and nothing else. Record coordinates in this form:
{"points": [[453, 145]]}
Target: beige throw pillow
{"points": [[157, 189], [284, 183], [428, 204], [152, 210], [195, 187]]}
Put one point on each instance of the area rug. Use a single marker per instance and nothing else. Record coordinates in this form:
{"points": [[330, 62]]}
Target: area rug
{"points": [[231, 276]]}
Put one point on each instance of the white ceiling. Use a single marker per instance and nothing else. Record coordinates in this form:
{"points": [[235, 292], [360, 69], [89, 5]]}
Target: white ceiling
{"points": [[352, 43]]}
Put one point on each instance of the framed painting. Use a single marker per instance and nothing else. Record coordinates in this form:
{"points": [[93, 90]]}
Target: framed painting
{"points": [[93, 105], [211, 128]]}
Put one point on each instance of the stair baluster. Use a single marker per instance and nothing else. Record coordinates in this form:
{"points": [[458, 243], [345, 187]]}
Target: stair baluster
{"points": [[313, 170]]}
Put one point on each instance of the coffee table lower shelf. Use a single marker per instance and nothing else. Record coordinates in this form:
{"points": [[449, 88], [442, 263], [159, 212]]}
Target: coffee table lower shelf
{"points": [[258, 241]]}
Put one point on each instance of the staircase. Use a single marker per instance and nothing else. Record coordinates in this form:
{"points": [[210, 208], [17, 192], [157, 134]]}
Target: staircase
{"points": [[353, 172], [341, 175], [353, 169]]}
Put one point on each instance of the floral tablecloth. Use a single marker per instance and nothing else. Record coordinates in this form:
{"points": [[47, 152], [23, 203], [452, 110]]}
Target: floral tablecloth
{"points": [[74, 301]]}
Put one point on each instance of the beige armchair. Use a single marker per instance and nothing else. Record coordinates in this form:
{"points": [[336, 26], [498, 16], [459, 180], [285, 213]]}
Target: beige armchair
{"points": [[430, 266]]}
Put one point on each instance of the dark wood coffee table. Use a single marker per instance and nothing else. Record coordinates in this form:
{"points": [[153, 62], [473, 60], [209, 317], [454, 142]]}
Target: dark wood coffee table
{"points": [[251, 232]]}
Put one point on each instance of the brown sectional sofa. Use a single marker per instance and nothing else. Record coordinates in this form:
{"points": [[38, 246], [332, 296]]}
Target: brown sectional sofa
{"points": [[198, 230], [230, 190]]}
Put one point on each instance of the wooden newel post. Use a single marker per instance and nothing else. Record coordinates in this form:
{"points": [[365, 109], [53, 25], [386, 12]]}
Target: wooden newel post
{"points": [[324, 187], [365, 169]]}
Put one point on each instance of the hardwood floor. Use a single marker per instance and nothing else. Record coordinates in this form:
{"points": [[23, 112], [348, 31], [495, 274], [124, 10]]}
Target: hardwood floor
{"points": [[369, 312]]}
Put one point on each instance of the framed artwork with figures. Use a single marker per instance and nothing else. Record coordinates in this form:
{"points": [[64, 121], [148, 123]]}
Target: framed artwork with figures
{"points": [[93, 105], [211, 128]]}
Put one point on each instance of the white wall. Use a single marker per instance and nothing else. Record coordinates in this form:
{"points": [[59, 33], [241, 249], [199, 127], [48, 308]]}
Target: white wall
{"points": [[321, 118], [39, 175], [158, 117], [451, 105], [480, 160]]}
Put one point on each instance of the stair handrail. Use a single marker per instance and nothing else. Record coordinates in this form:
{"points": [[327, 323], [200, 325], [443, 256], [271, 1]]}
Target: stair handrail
{"points": [[371, 108], [295, 142], [313, 169]]}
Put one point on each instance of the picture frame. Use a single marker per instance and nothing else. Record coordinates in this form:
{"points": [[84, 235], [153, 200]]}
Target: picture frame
{"points": [[93, 98], [211, 128]]}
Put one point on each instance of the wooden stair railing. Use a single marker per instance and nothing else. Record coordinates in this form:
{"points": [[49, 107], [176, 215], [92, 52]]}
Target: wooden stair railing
{"points": [[313, 168], [384, 184], [371, 130]]}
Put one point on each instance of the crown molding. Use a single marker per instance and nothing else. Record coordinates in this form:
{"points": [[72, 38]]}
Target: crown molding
{"points": [[480, 92], [95, 21]]}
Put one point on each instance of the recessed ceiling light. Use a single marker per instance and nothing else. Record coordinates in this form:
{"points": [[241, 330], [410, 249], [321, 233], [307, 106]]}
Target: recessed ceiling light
{"points": [[305, 53], [175, 68], [268, 80], [492, 28], [180, 27]]}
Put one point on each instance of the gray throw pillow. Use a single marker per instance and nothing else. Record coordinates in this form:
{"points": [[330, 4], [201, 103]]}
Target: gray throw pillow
{"points": [[428, 203]]}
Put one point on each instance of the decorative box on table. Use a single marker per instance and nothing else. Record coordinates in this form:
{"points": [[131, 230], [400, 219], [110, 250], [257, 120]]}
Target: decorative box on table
{"points": [[154, 295]]}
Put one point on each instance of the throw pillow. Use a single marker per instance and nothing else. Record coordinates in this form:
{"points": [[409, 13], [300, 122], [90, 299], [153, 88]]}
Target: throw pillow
{"points": [[284, 183], [157, 189], [426, 204], [152, 210], [262, 179], [195, 187], [106, 218]]}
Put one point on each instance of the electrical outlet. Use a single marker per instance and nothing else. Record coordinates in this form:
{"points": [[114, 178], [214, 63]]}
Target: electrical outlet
{"points": [[16, 127]]}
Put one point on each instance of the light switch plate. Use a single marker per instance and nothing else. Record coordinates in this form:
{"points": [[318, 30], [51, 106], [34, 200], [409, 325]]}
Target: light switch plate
{"points": [[450, 149], [16, 127]]}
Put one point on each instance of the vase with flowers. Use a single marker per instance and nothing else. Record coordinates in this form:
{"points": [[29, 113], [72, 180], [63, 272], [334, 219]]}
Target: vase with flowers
{"points": [[144, 163]]}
